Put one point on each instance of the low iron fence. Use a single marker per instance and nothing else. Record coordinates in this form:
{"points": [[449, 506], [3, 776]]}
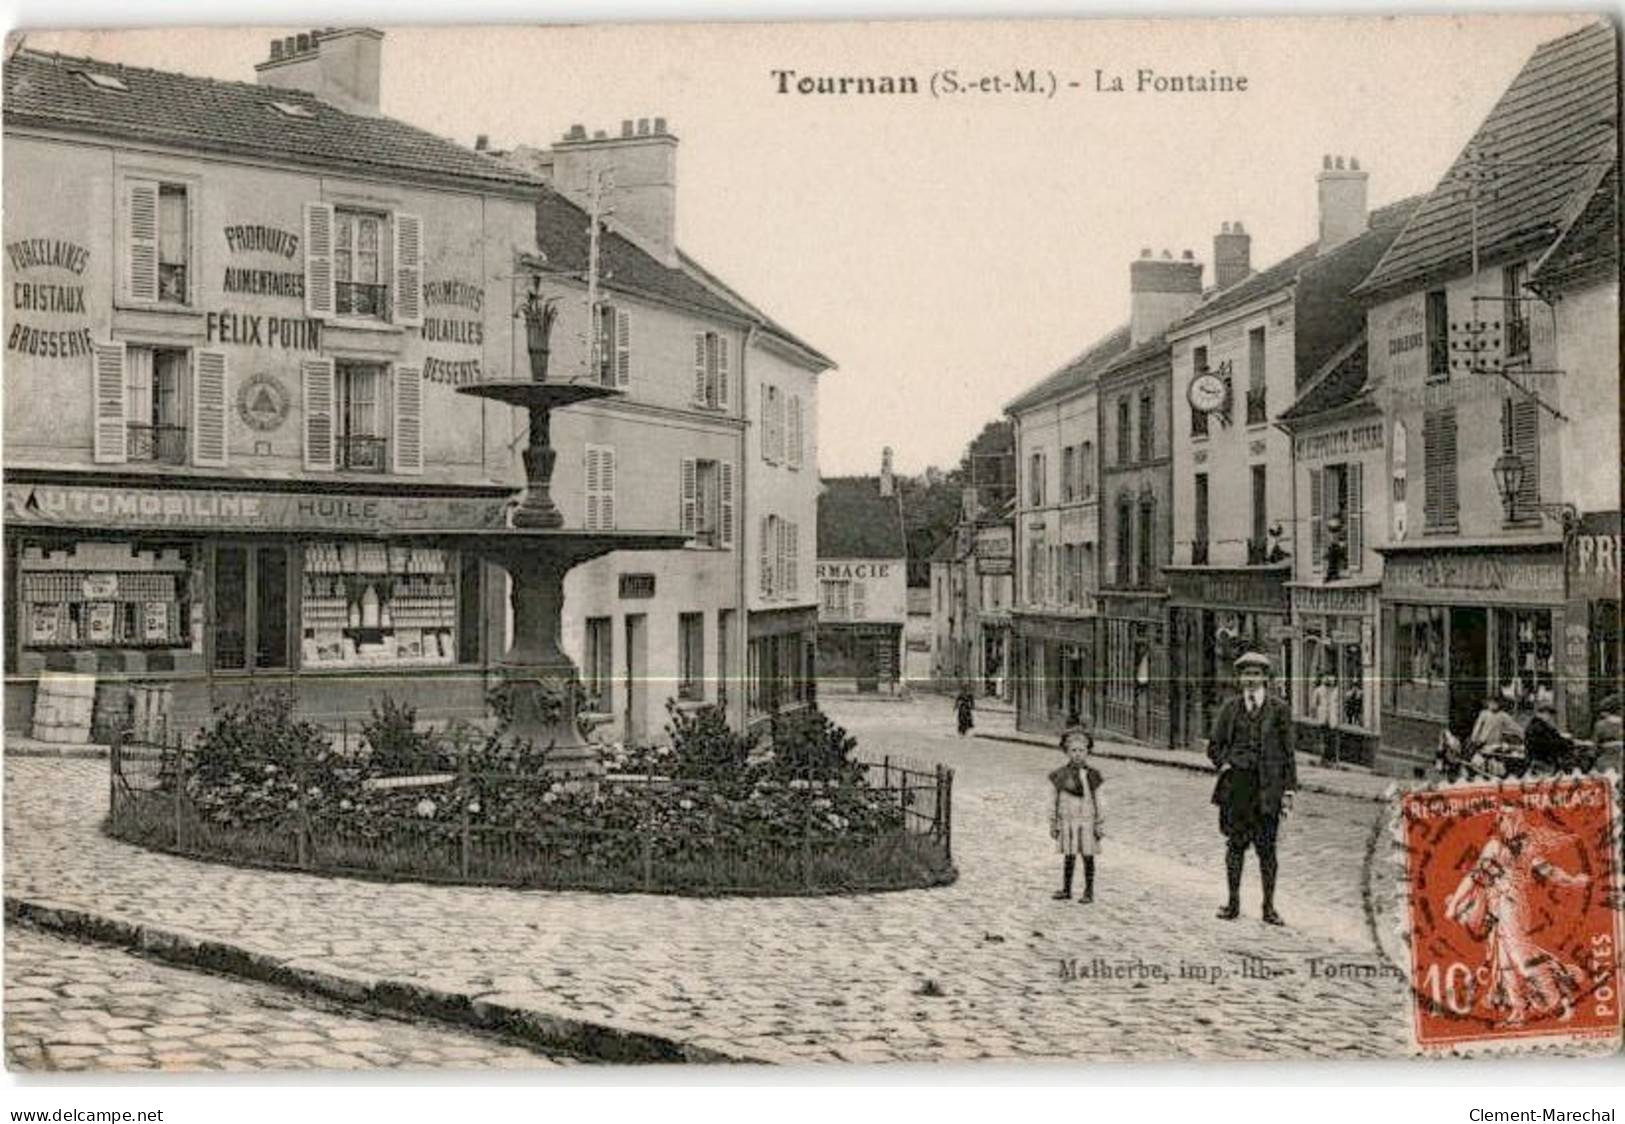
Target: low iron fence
{"points": [[466, 818]]}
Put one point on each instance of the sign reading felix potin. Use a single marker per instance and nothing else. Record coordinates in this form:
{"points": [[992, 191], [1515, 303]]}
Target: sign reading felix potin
{"points": [[140, 508]]}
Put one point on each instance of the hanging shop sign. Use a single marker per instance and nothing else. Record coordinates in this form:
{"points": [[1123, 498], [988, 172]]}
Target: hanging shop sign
{"points": [[137, 508]]}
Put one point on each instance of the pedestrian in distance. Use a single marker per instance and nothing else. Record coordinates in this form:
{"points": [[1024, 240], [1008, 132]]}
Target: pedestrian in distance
{"points": [[1076, 822], [1251, 746], [965, 708], [1323, 709]]}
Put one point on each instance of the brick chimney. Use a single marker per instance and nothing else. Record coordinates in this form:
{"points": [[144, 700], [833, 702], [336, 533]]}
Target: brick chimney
{"points": [[1161, 290], [643, 163], [1232, 255], [1342, 202], [338, 65], [886, 481]]}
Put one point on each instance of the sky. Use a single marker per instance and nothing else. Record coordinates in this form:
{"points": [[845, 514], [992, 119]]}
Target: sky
{"points": [[947, 252]]}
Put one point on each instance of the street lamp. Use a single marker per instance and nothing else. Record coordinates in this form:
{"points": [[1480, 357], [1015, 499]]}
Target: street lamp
{"points": [[1509, 469]]}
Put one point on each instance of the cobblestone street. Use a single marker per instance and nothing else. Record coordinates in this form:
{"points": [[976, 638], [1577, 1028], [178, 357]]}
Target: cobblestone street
{"points": [[968, 971], [73, 1006]]}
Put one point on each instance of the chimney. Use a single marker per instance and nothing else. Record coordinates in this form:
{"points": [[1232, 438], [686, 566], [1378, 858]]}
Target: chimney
{"points": [[885, 471], [1342, 202], [643, 191], [338, 65], [1232, 255], [1161, 290]]}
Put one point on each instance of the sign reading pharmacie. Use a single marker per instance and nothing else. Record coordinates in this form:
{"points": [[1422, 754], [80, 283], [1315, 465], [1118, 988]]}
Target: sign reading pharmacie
{"points": [[119, 508]]}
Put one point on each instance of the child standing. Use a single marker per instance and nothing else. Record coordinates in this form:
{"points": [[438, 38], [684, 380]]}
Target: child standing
{"points": [[1076, 823]]}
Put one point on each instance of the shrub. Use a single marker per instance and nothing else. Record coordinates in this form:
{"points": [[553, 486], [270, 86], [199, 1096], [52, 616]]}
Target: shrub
{"points": [[398, 746], [705, 747], [807, 744]]}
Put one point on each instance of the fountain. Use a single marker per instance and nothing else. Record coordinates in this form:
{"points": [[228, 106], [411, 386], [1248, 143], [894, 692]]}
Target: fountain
{"points": [[538, 551]]}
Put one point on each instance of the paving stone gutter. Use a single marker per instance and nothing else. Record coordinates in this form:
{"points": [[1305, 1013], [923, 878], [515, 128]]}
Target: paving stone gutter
{"points": [[618, 1042]]}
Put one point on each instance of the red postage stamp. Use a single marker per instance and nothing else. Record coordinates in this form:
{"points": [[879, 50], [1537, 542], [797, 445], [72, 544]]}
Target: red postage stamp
{"points": [[1513, 912]]}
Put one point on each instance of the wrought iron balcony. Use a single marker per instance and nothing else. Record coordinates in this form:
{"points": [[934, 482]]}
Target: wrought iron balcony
{"points": [[363, 454], [165, 444], [356, 298]]}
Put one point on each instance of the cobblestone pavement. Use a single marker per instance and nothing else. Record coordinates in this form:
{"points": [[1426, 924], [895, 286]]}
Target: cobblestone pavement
{"points": [[973, 970], [72, 1006]]}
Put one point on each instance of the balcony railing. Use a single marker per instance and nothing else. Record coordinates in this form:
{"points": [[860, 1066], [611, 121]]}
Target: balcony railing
{"points": [[165, 444], [1517, 338], [356, 298], [1199, 552], [1256, 412], [363, 454]]}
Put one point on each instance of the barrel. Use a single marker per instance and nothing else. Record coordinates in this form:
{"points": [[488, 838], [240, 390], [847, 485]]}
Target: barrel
{"points": [[64, 704]]}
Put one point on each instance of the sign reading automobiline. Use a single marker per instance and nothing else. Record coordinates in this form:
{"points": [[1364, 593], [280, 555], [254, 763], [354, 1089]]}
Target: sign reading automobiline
{"points": [[1015, 80]]}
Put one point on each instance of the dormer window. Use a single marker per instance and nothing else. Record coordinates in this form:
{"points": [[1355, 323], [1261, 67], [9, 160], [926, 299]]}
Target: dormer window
{"points": [[288, 109], [103, 81]]}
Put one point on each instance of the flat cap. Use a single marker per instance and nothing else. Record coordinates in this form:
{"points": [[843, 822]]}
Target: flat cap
{"points": [[1253, 659]]}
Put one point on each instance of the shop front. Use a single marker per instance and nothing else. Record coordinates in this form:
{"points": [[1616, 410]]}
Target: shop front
{"points": [[339, 596], [1056, 685], [1460, 622], [1134, 677], [1591, 634], [1214, 616], [996, 643], [1334, 630], [783, 646]]}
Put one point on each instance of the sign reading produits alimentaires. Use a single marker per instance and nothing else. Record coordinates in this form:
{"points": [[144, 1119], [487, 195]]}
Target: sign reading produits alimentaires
{"points": [[142, 508]]}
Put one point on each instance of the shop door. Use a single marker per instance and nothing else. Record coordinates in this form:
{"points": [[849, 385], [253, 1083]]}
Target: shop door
{"points": [[866, 654], [250, 626], [637, 677], [1469, 667]]}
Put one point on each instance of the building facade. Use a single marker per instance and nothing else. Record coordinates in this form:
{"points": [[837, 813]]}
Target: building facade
{"points": [[862, 573], [235, 307], [1497, 425], [714, 433]]}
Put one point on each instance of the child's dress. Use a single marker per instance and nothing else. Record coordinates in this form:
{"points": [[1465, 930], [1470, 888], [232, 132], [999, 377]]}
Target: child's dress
{"points": [[1078, 811]]}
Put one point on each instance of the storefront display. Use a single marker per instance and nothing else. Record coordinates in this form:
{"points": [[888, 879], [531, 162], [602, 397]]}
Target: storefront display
{"points": [[378, 604], [105, 595]]}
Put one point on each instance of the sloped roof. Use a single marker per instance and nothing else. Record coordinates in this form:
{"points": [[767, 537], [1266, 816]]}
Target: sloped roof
{"points": [[1155, 347], [856, 521], [1589, 245], [1341, 383], [1553, 124], [1076, 374], [53, 91]]}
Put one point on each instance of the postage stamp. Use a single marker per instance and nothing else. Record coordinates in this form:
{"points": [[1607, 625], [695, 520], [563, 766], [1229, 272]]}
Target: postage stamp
{"points": [[1512, 912]]}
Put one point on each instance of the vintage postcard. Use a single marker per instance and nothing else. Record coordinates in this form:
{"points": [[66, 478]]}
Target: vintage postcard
{"points": [[946, 541]]}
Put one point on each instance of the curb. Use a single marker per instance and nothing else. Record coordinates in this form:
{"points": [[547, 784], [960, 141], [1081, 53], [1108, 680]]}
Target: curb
{"points": [[549, 1030], [65, 751], [1192, 766]]}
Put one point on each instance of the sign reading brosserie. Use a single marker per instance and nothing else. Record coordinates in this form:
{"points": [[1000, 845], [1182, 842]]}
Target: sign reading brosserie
{"points": [[69, 505]]}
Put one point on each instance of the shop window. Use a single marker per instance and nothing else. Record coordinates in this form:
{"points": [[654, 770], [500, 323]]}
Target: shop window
{"points": [[598, 666], [1334, 653], [711, 372], [614, 346], [105, 595], [1525, 668], [372, 604], [1417, 658], [155, 381], [707, 513], [691, 656], [360, 433], [359, 286]]}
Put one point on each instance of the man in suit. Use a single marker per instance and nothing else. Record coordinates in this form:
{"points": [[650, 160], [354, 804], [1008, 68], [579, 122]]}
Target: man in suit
{"points": [[1251, 746]]}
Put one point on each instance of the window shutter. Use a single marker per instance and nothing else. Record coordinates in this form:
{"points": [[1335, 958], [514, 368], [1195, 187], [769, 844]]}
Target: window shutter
{"points": [[1432, 476], [141, 240], [779, 425], [764, 577], [860, 601], [1526, 443], [781, 529], [408, 438], [1447, 467], [792, 563], [209, 413], [795, 431], [690, 495], [699, 368], [1356, 529], [111, 432], [623, 349], [594, 486], [725, 489], [606, 487], [317, 375], [1317, 519], [319, 301], [408, 271], [723, 390], [767, 427]]}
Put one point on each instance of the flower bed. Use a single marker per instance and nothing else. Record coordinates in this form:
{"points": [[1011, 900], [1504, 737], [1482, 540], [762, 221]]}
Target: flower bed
{"points": [[716, 813]]}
